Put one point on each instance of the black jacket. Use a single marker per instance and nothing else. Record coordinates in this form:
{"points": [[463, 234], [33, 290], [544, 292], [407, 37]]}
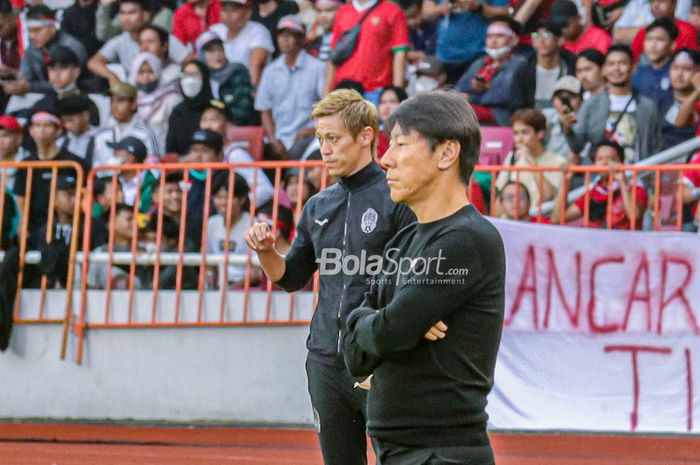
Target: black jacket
{"points": [[524, 80], [355, 218]]}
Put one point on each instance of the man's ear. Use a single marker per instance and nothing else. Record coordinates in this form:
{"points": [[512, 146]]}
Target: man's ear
{"points": [[366, 136], [448, 153]]}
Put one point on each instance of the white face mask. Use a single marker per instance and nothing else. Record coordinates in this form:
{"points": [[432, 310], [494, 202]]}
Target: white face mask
{"points": [[191, 86], [426, 84], [496, 53]]}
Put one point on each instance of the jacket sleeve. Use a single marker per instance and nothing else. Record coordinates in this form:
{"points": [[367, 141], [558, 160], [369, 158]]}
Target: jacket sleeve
{"points": [[301, 258], [415, 307], [576, 138], [359, 362]]}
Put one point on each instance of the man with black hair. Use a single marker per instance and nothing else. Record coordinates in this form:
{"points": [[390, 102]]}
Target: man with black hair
{"points": [[79, 136], [652, 79], [131, 151], [43, 34], [427, 357], [589, 70], [217, 231], [156, 40], [618, 113], [63, 68], [610, 154], [44, 128], [534, 82], [122, 232], [578, 36], [123, 49], [657, 9], [122, 124]]}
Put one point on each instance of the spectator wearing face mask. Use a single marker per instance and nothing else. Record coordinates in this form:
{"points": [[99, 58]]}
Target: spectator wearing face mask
{"points": [[184, 120], [63, 68], [489, 79], [429, 75], [156, 99]]}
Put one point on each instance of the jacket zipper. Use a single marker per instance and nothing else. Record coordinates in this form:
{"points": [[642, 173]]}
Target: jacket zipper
{"points": [[340, 304]]}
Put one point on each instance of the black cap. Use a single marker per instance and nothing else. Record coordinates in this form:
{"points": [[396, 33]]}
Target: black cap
{"points": [[5, 6], [73, 104], [562, 10], [40, 12], [133, 145], [62, 55], [66, 182], [209, 138]]}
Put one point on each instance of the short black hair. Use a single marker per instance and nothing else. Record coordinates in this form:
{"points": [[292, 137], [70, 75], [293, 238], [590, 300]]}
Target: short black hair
{"points": [[609, 143], [145, 5], [221, 181], [122, 207], [667, 24], [621, 48], [399, 91], [174, 178], [514, 183], [439, 117], [169, 228], [163, 35], [352, 85], [592, 55]]}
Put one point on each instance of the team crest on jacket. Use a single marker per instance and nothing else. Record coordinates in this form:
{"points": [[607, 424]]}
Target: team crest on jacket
{"points": [[369, 220]]}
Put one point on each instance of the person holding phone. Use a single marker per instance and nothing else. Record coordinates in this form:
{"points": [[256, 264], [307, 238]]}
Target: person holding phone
{"points": [[566, 101]]}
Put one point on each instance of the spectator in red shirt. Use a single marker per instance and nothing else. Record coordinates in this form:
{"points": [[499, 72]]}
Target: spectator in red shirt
{"points": [[687, 34], [610, 154], [195, 17], [578, 37], [379, 59]]}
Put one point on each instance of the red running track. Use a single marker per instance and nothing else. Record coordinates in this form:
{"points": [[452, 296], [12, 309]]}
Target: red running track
{"points": [[88, 444]]}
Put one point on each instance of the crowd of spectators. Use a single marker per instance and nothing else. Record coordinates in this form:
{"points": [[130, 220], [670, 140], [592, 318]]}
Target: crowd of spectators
{"points": [[114, 82]]}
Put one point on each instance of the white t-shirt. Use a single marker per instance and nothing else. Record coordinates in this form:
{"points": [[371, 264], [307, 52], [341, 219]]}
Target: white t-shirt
{"points": [[253, 35], [544, 86], [216, 241], [625, 132]]}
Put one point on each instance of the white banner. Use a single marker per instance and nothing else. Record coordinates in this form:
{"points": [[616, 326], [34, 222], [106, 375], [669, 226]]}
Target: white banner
{"points": [[601, 331]]}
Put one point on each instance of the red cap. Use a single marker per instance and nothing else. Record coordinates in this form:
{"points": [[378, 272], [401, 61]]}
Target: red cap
{"points": [[10, 123]]}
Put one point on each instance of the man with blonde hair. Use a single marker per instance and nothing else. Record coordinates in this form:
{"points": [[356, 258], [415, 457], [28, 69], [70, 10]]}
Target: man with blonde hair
{"points": [[342, 231]]}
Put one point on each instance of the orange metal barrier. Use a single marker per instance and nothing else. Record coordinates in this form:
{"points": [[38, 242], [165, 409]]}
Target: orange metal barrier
{"points": [[663, 181], [20, 255], [202, 293], [197, 181]]}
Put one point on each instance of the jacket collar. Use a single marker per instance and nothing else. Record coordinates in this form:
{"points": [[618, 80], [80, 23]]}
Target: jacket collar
{"points": [[362, 177]]}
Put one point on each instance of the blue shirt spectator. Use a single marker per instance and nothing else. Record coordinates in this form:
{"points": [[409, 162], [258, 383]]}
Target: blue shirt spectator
{"points": [[461, 30], [287, 91], [653, 83]]}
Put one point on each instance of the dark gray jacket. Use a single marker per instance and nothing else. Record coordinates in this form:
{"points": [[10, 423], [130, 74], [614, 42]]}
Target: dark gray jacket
{"points": [[353, 218], [33, 66], [593, 115]]}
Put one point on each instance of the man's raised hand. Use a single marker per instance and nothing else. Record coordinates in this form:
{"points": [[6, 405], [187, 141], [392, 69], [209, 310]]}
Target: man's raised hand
{"points": [[259, 237]]}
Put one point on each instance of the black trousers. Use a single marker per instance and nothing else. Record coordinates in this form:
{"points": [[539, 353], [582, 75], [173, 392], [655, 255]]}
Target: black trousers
{"points": [[392, 454], [340, 413]]}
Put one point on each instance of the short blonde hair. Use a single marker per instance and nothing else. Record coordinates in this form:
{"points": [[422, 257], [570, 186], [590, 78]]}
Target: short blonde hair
{"points": [[356, 112]]}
